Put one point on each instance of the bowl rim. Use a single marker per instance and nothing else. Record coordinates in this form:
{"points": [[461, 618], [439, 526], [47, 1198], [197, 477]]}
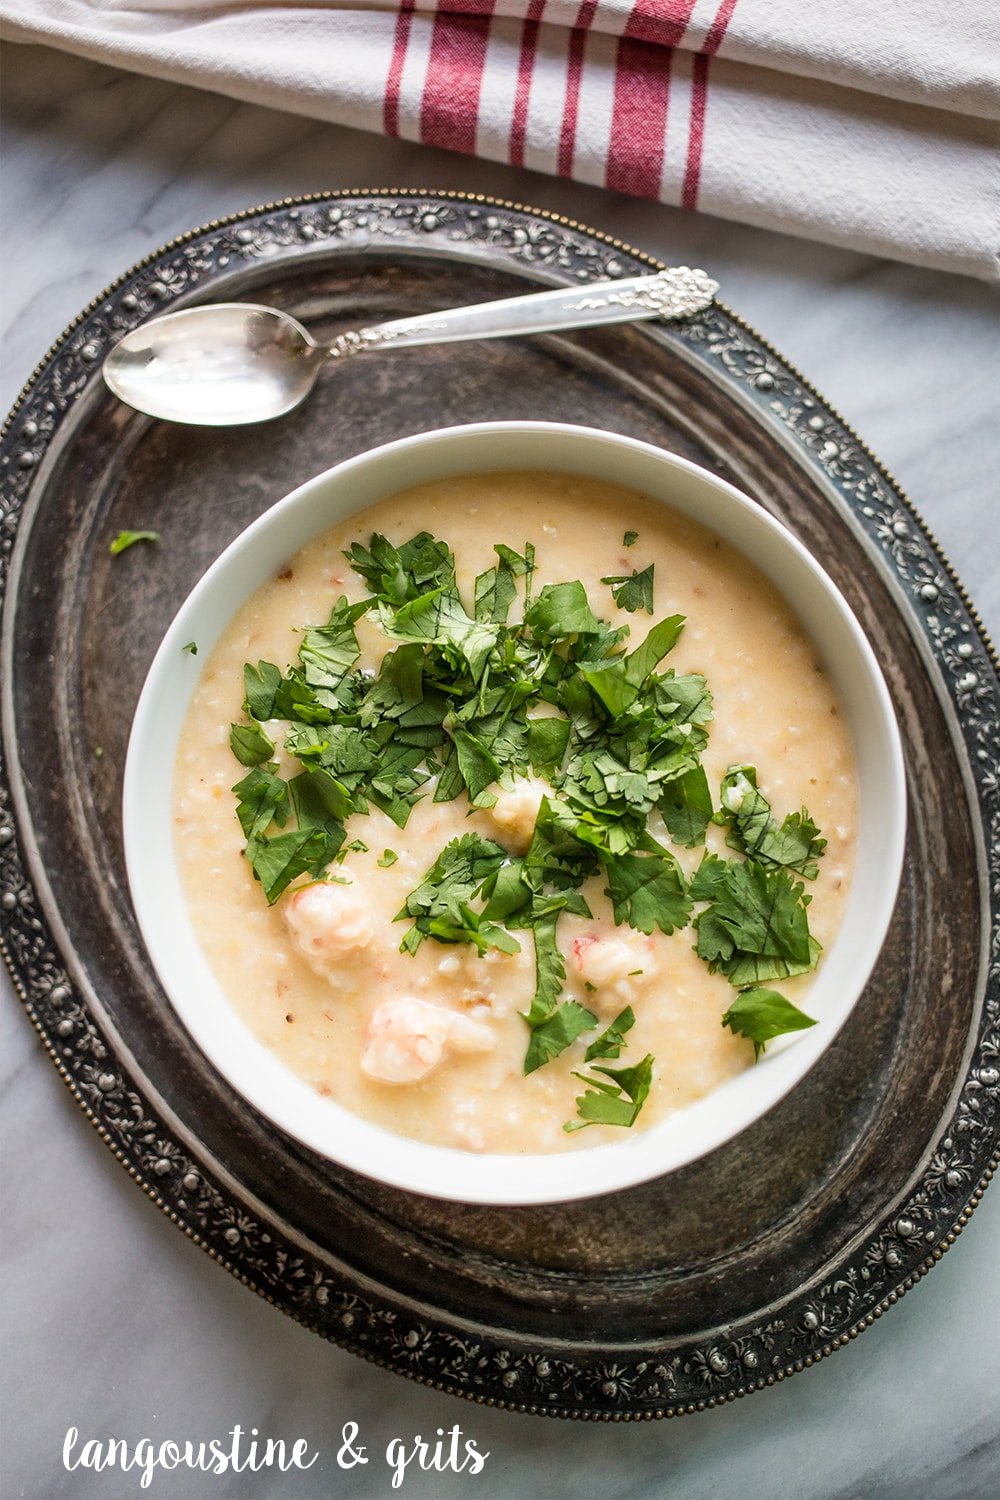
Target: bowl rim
{"points": [[288, 1101]]}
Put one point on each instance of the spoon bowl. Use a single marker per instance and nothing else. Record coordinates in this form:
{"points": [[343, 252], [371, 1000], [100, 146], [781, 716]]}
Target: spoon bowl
{"points": [[220, 366]]}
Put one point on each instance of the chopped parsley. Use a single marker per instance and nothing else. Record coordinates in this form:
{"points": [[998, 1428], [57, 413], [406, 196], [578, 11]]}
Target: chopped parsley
{"points": [[761, 1014], [191, 648], [755, 927], [518, 681], [795, 845], [612, 1040], [126, 539], [552, 1036], [250, 744], [647, 891], [441, 904], [633, 591], [615, 1102]]}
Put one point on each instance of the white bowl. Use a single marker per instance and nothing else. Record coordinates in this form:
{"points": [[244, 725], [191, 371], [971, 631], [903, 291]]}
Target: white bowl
{"points": [[160, 905]]}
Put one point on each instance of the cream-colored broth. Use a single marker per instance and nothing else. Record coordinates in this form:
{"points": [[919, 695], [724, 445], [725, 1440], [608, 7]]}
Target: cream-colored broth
{"points": [[774, 708]]}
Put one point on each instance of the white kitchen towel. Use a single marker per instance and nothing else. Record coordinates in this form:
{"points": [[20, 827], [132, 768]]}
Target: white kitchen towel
{"points": [[872, 126]]}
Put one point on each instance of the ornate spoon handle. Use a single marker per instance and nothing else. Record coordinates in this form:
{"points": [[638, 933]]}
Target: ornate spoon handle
{"points": [[674, 293]]}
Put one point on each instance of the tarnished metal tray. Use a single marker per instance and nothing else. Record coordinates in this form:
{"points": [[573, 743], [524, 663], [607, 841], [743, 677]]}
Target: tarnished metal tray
{"points": [[673, 1296]]}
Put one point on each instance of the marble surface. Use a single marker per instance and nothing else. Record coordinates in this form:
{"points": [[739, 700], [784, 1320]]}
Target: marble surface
{"points": [[113, 1322]]}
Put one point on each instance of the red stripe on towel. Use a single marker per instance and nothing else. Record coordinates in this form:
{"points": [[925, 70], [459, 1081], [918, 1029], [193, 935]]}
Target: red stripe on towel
{"points": [[450, 107], [525, 68], [699, 101], [390, 112], [574, 68], [696, 137], [661, 22], [639, 118], [717, 30]]}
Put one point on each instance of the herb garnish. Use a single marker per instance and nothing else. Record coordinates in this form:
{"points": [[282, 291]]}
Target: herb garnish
{"points": [[616, 1102], [440, 904], [611, 1041], [760, 1014], [126, 539], [633, 591], [755, 926], [467, 700], [795, 845]]}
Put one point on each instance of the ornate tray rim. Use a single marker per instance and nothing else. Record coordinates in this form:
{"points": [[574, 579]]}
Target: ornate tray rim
{"points": [[724, 1376]]}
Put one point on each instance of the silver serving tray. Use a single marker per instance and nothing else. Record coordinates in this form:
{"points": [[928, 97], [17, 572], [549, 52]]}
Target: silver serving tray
{"points": [[691, 1290]]}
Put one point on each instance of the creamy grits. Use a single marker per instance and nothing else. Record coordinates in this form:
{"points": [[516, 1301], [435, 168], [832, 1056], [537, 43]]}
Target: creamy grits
{"points": [[431, 1044]]}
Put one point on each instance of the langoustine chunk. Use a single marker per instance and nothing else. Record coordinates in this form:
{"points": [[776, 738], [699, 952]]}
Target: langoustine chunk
{"points": [[408, 1037], [616, 966], [328, 922], [515, 811]]}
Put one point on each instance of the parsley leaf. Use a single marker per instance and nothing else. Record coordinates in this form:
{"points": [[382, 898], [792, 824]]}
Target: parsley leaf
{"points": [[477, 765], [647, 891], [709, 878], [439, 904], [320, 804], [466, 926], [517, 564], [439, 618], [506, 892], [557, 855], [337, 747], [277, 861], [795, 845], [686, 805], [612, 1040], [630, 538], [389, 857], [399, 686], [126, 539], [399, 574], [250, 744], [612, 686], [263, 799], [546, 743], [328, 652], [756, 927], [761, 1014], [495, 592], [647, 656], [617, 1102], [295, 700], [555, 1034], [562, 610], [319, 797], [684, 699], [191, 648], [618, 684], [633, 591], [550, 972], [260, 684]]}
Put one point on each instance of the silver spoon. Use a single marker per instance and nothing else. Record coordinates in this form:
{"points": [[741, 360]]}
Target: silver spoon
{"points": [[233, 363]]}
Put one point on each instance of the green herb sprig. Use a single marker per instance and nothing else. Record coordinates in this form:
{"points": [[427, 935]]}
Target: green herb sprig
{"points": [[126, 539]]}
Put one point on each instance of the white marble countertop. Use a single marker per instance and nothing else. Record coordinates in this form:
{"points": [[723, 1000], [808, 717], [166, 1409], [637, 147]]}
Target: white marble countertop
{"points": [[114, 1323]]}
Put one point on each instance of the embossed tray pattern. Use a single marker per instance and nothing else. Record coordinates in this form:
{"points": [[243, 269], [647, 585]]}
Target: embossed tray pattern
{"points": [[689, 1291]]}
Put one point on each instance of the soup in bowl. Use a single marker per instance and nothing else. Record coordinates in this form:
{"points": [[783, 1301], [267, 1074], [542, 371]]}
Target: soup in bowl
{"points": [[528, 819]]}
